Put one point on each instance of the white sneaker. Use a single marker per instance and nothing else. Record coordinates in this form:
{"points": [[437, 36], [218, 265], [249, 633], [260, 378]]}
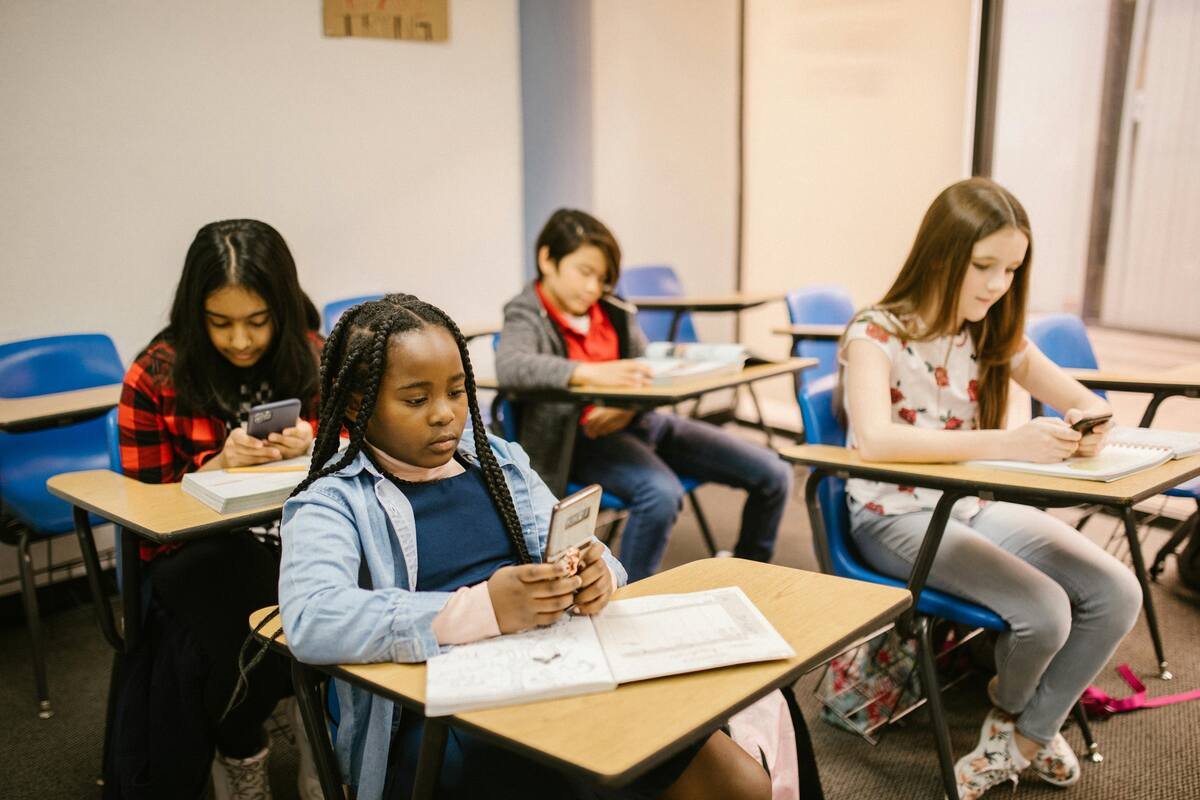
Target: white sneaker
{"points": [[241, 778], [1056, 763], [994, 761], [308, 783]]}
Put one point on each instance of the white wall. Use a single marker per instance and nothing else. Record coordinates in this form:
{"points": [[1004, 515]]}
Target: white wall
{"points": [[1047, 123], [385, 164], [856, 117], [664, 160]]}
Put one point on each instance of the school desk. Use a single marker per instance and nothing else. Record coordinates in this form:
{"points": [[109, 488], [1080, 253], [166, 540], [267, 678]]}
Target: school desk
{"points": [[818, 615], [642, 398], [737, 301], [24, 413], [813, 332], [961, 480], [161, 513], [1174, 382]]}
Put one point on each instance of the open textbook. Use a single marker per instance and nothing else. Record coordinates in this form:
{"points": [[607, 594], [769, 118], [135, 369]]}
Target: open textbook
{"points": [[233, 492], [672, 363], [631, 640], [1114, 461]]}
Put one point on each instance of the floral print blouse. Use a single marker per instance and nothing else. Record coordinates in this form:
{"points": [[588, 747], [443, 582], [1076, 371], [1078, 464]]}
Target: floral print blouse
{"points": [[934, 386]]}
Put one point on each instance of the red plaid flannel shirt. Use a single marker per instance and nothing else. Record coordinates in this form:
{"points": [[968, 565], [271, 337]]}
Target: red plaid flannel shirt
{"points": [[159, 443]]}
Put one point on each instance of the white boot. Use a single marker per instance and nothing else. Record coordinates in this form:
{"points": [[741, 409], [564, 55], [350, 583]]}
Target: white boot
{"points": [[241, 778], [308, 783]]}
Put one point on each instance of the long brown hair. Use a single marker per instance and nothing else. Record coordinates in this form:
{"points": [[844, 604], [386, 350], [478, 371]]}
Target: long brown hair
{"points": [[929, 283]]}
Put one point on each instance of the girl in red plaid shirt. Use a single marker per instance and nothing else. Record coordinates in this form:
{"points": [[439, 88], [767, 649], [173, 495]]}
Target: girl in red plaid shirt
{"points": [[241, 332]]}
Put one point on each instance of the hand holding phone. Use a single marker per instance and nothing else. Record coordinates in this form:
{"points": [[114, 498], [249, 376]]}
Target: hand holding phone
{"points": [[1085, 424], [573, 525]]}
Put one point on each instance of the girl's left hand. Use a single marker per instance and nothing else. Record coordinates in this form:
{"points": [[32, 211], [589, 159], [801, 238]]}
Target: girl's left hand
{"points": [[1093, 442], [596, 588], [295, 441]]}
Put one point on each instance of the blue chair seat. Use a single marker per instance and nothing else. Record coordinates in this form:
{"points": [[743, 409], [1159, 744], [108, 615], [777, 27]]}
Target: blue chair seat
{"points": [[1190, 490]]}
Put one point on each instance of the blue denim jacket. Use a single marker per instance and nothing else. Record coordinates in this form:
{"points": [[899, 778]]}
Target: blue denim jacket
{"points": [[329, 530]]}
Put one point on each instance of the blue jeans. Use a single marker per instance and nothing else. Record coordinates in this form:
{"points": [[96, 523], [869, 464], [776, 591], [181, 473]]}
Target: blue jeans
{"points": [[640, 465]]}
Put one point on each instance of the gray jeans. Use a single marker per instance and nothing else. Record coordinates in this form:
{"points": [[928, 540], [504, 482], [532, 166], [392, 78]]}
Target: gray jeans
{"points": [[1068, 603]]}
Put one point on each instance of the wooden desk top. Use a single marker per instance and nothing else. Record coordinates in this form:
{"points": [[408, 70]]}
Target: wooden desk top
{"points": [[161, 512], [662, 395], [29, 411], [736, 301], [1002, 484], [1184, 379], [828, 333], [643, 723]]}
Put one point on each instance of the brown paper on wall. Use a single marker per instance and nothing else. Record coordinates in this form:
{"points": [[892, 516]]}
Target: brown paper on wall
{"points": [[417, 20]]}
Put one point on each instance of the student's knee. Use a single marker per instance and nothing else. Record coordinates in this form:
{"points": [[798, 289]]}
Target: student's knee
{"points": [[659, 497], [722, 770], [1049, 625], [775, 479], [1120, 597]]}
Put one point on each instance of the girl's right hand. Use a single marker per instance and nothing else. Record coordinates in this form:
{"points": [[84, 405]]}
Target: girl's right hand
{"points": [[1043, 440], [527, 595], [243, 450], [624, 372]]}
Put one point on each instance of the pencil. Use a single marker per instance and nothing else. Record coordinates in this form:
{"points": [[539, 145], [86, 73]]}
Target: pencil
{"points": [[269, 468]]}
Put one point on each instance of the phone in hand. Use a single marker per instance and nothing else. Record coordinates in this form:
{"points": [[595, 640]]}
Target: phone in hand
{"points": [[270, 418], [573, 523], [1086, 424]]}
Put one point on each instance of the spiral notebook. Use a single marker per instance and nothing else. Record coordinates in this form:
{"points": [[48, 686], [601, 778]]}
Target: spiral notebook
{"points": [[1113, 462], [1180, 443]]}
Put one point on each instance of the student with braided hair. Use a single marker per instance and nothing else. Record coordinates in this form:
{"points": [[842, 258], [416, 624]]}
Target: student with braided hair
{"points": [[426, 531]]}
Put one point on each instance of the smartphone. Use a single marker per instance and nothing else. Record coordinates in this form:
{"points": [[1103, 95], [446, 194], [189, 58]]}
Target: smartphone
{"points": [[573, 522], [272, 417], [1086, 424]]}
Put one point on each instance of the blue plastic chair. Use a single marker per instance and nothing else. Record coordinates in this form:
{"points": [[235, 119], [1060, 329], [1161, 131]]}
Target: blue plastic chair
{"points": [[334, 310], [1064, 340], [823, 427], [27, 459], [818, 305], [657, 281]]}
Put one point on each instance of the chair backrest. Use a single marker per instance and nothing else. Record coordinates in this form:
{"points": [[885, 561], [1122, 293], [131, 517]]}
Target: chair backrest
{"points": [[58, 364], [818, 305], [1064, 340], [656, 281], [334, 310]]}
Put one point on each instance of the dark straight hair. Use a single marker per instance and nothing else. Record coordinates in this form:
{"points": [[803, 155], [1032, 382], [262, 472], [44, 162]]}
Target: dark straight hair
{"points": [[569, 229], [352, 366], [252, 255]]}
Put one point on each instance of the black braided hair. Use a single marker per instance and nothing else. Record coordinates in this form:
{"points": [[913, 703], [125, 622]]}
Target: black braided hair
{"points": [[354, 361]]}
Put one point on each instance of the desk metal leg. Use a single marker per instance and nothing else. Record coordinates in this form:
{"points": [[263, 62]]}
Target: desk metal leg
{"points": [[816, 522], [33, 619], [924, 562], [91, 563], [937, 714], [566, 454], [676, 318], [131, 588], [429, 763], [1152, 408], [1139, 569], [306, 682]]}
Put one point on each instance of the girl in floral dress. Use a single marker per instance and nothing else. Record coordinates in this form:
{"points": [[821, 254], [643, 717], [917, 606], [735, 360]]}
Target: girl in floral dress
{"points": [[925, 377]]}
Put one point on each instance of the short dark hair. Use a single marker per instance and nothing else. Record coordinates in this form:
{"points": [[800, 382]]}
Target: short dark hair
{"points": [[251, 254], [569, 229]]}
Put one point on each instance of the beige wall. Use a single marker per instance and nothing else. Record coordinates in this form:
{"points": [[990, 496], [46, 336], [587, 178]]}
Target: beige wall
{"points": [[856, 118], [664, 77], [386, 165]]}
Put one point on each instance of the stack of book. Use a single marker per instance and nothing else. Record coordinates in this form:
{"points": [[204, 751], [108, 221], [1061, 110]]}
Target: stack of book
{"points": [[244, 488]]}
